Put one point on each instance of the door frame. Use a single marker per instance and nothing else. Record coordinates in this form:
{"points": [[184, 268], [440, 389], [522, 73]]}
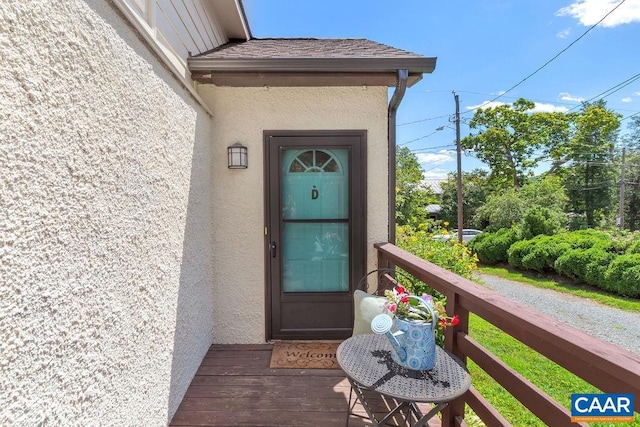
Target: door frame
{"points": [[358, 226]]}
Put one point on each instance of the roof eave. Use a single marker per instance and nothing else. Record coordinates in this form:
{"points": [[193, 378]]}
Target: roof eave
{"points": [[313, 65]]}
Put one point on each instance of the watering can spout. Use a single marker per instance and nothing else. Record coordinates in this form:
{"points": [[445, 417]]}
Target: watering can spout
{"points": [[381, 324]]}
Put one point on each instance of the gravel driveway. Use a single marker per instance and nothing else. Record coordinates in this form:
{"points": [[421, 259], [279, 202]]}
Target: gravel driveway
{"points": [[619, 327]]}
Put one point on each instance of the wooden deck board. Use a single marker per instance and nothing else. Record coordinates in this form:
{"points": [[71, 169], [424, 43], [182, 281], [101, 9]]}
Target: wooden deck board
{"points": [[234, 386]]}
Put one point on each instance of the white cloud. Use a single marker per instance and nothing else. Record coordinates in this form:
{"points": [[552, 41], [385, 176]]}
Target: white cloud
{"points": [[440, 174], [433, 158], [566, 96], [539, 107], [589, 12], [627, 99], [548, 108], [638, 93], [485, 105], [564, 33]]}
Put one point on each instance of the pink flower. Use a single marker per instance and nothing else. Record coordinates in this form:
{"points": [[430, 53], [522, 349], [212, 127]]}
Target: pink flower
{"points": [[404, 298], [392, 307]]}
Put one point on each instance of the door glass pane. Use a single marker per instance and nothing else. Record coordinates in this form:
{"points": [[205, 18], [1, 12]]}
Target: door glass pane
{"points": [[315, 214], [315, 184], [315, 257]]}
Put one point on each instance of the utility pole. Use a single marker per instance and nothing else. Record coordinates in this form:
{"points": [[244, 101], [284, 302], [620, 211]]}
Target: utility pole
{"points": [[622, 185], [459, 161]]}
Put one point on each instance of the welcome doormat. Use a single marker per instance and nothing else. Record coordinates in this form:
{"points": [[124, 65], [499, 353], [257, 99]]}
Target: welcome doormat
{"points": [[304, 355]]}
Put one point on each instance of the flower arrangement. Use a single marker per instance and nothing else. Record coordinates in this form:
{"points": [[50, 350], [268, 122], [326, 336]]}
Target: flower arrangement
{"points": [[401, 305]]}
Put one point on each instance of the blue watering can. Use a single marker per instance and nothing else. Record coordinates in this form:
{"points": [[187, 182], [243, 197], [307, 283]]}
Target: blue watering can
{"points": [[413, 341]]}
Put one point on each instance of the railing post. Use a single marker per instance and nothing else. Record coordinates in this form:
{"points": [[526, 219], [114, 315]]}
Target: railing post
{"points": [[382, 261], [455, 408]]}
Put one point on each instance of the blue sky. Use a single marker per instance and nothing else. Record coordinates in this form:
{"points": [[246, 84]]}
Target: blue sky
{"points": [[484, 47]]}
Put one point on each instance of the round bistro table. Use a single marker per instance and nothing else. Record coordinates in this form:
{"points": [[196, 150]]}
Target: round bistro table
{"points": [[366, 360]]}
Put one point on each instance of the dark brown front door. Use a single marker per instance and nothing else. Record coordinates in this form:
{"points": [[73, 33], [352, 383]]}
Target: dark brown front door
{"points": [[315, 231]]}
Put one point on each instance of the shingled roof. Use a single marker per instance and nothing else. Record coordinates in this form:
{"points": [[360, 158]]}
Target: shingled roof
{"points": [[306, 48], [313, 61]]}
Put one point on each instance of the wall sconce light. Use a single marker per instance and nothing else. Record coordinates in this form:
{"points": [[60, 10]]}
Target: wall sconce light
{"points": [[238, 158]]}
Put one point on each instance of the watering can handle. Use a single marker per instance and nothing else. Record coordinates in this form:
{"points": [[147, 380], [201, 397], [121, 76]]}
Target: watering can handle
{"points": [[434, 316]]}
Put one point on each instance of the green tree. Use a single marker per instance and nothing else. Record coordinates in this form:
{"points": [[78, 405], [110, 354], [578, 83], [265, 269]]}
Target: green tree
{"points": [[412, 195], [590, 176], [546, 191], [507, 208], [502, 210], [632, 192], [632, 175], [538, 220], [474, 190], [513, 140]]}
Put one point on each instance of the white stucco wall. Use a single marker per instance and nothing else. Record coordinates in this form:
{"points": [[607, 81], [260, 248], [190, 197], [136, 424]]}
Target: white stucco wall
{"points": [[105, 222], [241, 114]]}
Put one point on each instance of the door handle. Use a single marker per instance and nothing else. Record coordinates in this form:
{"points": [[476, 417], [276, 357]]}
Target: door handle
{"points": [[272, 248]]}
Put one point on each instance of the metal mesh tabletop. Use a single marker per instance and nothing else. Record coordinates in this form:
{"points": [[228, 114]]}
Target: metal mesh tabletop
{"points": [[366, 359]]}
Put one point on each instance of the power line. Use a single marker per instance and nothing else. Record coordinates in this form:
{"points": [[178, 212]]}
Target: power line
{"points": [[518, 97], [465, 120], [438, 129], [628, 117], [425, 120], [611, 89], [549, 61], [432, 149]]}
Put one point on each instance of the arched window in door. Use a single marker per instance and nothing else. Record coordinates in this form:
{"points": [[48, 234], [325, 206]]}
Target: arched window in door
{"points": [[315, 161]]}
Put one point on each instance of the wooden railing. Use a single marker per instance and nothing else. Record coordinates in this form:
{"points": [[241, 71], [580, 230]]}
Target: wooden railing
{"points": [[605, 366]]}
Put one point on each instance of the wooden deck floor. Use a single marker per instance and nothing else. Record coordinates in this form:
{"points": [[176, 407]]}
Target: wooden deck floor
{"points": [[235, 387]]}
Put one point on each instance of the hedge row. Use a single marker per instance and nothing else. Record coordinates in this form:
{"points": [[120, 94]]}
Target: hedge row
{"points": [[587, 256]]}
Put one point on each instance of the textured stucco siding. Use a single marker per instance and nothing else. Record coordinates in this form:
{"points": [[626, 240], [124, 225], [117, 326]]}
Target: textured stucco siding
{"points": [[105, 222], [241, 115]]}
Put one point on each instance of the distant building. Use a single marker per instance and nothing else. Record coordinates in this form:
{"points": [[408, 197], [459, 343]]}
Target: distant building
{"points": [[436, 186], [433, 211]]}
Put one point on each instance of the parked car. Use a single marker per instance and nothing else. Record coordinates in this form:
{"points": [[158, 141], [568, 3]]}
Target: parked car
{"points": [[467, 235]]}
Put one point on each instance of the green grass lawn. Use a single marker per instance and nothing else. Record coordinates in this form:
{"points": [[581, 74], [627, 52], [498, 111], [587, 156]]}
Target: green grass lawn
{"points": [[545, 374]]}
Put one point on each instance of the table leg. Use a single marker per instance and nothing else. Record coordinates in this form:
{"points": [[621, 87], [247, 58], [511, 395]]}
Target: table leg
{"points": [[359, 396], [425, 418], [411, 408]]}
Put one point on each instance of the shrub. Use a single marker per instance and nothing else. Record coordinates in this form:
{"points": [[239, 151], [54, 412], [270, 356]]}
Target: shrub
{"points": [[585, 239], [572, 264], [539, 253], [491, 248], [586, 266], [454, 257], [634, 248], [599, 261], [544, 253], [623, 276], [517, 252], [538, 220]]}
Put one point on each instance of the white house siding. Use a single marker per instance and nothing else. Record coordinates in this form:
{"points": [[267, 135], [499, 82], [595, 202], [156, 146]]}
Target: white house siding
{"points": [[180, 27], [105, 207], [241, 115]]}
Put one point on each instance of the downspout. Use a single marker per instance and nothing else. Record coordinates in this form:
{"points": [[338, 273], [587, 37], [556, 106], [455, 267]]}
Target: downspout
{"points": [[398, 94]]}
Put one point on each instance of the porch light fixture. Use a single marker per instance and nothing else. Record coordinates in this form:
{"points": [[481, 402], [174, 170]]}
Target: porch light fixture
{"points": [[238, 158]]}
